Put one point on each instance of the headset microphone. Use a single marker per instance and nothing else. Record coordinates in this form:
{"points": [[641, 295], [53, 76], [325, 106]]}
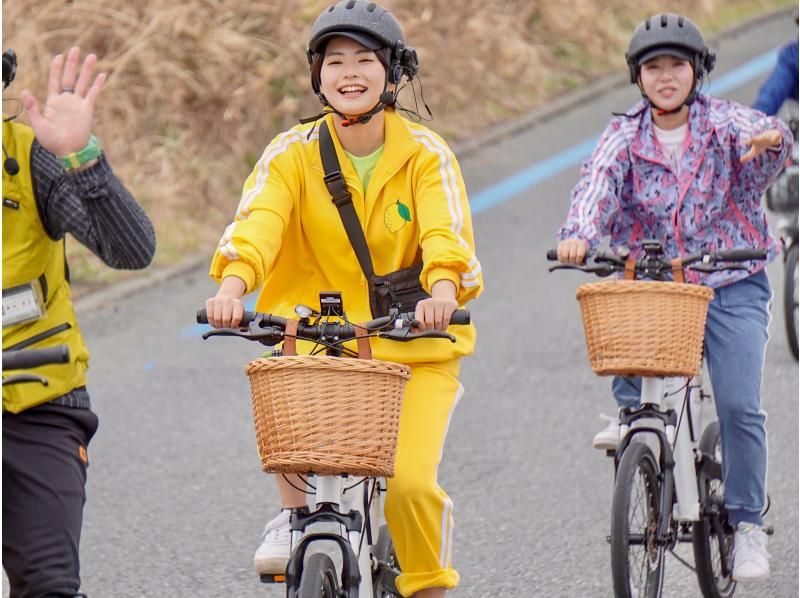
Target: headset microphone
{"points": [[10, 164], [385, 99]]}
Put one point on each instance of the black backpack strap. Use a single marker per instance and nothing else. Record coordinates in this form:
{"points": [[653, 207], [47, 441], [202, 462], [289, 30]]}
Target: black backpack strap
{"points": [[343, 200]]}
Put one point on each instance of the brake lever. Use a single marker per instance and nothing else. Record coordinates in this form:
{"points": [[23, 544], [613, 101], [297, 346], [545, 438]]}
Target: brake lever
{"points": [[710, 268], [25, 378], [405, 335], [567, 267], [601, 270], [259, 334]]}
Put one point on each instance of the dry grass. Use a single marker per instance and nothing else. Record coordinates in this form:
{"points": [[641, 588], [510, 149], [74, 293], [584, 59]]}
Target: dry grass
{"points": [[198, 87]]}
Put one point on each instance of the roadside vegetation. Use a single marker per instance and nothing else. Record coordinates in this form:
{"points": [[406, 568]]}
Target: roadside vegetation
{"points": [[197, 88]]}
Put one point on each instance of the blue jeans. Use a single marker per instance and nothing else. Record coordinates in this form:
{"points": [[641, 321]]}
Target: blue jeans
{"points": [[735, 340]]}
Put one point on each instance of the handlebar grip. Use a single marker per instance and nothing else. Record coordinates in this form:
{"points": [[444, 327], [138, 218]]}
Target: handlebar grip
{"points": [[202, 317], [31, 358], [460, 317], [742, 255], [552, 255]]}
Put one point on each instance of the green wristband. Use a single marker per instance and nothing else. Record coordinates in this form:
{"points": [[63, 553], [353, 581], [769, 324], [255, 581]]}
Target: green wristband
{"points": [[81, 157]]}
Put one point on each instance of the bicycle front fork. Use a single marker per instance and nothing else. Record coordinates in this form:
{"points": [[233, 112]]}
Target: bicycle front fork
{"points": [[666, 414], [342, 506]]}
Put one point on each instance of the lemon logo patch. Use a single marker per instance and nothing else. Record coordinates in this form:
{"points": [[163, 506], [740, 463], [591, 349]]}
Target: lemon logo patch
{"points": [[396, 216]]}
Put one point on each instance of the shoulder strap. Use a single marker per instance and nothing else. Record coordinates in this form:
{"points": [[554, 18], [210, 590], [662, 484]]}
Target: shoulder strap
{"points": [[343, 200]]}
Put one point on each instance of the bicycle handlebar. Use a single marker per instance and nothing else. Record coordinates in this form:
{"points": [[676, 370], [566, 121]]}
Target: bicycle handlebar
{"points": [[268, 329], [604, 263], [30, 358], [460, 317]]}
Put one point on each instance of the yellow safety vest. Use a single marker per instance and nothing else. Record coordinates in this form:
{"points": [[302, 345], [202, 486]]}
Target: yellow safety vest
{"points": [[30, 256]]}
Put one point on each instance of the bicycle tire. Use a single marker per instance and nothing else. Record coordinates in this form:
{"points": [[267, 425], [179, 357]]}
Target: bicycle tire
{"points": [[383, 585], [646, 577], [708, 546], [318, 578], [790, 298]]}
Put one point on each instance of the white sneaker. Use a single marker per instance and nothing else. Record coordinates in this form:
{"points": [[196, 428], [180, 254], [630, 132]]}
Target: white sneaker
{"points": [[608, 438], [273, 554], [750, 556]]}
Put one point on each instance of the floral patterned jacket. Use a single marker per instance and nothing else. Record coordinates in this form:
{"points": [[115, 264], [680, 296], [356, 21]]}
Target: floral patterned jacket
{"points": [[627, 189]]}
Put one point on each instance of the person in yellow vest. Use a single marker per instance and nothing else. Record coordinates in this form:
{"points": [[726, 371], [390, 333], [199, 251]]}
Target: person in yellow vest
{"points": [[289, 241], [55, 181]]}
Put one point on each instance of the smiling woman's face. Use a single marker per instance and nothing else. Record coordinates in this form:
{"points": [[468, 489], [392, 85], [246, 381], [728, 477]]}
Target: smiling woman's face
{"points": [[352, 77], [667, 81]]}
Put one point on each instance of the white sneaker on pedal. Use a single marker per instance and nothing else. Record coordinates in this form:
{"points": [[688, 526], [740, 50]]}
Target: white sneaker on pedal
{"points": [[273, 554], [750, 556], [607, 439]]}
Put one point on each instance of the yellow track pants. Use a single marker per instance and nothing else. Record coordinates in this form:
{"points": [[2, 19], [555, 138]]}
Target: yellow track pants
{"points": [[418, 511]]}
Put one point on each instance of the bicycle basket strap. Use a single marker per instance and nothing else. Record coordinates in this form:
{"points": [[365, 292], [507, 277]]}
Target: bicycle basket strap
{"points": [[630, 268], [364, 348], [290, 338], [677, 270]]}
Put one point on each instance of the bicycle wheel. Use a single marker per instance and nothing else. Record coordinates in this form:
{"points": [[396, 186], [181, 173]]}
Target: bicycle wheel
{"points": [[790, 297], [712, 537], [318, 579], [637, 560], [383, 580]]}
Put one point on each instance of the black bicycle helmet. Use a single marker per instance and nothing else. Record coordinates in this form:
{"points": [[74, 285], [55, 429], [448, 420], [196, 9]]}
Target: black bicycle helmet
{"points": [[9, 67], [373, 27], [673, 35]]}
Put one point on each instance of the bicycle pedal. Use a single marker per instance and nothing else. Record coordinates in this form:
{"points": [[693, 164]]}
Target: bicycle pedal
{"points": [[608, 539], [273, 578], [611, 453]]}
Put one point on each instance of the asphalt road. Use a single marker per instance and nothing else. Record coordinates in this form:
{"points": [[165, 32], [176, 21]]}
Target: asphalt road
{"points": [[176, 497]]}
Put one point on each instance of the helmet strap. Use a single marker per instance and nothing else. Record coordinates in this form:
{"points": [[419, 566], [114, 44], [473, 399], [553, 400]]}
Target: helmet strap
{"points": [[386, 98]]}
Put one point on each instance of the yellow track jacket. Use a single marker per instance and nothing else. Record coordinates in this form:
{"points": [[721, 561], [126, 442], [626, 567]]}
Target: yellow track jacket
{"points": [[288, 238]]}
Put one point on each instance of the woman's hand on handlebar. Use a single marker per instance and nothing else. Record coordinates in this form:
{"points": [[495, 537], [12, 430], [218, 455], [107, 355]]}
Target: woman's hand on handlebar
{"points": [[225, 309], [435, 313], [572, 251]]}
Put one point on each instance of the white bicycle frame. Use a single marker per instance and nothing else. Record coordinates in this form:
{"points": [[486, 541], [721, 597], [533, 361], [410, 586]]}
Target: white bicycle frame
{"points": [[693, 416], [345, 494]]}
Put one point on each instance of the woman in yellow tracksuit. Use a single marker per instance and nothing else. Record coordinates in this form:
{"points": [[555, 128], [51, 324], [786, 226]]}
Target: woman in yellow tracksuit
{"points": [[288, 240]]}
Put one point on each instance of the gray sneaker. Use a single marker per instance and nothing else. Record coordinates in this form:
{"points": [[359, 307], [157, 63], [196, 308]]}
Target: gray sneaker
{"points": [[273, 554], [750, 556]]}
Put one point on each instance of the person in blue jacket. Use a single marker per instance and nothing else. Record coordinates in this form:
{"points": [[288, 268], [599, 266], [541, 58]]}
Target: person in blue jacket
{"points": [[781, 84]]}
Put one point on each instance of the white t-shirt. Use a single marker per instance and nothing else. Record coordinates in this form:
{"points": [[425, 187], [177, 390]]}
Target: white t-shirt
{"points": [[672, 141]]}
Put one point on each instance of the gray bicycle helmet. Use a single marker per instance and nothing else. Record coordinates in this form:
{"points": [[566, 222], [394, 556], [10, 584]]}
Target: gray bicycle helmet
{"points": [[373, 27], [670, 34]]}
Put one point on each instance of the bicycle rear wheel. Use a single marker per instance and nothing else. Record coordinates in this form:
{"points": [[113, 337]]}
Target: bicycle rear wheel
{"points": [[790, 297], [383, 579], [637, 560], [318, 579], [712, 536]]}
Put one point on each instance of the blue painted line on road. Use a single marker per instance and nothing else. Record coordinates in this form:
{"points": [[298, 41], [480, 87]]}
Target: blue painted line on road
{"points": [[540, 171]]}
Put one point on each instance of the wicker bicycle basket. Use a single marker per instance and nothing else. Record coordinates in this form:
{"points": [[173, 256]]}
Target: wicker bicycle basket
{"points": [[644, 328], [327, 415]]}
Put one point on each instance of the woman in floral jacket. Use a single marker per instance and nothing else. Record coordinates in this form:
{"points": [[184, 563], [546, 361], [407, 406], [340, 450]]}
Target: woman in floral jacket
{"points": [[689, 170]]}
